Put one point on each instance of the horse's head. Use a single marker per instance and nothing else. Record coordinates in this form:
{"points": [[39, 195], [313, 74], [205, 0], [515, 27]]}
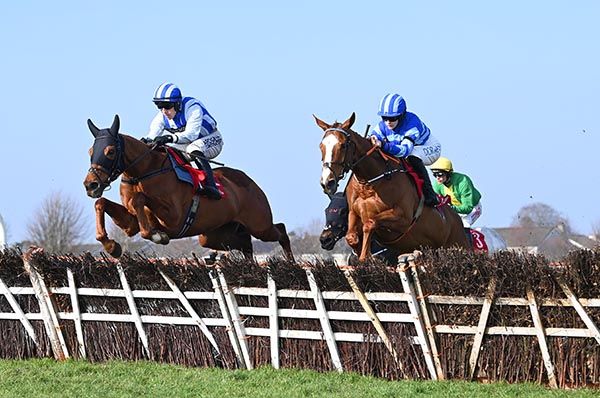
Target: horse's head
{"points": [[336, 221], [337, 152], [106, 156]]}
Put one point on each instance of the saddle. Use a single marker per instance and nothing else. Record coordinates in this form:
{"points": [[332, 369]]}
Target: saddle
{"points": [[184, 170]]}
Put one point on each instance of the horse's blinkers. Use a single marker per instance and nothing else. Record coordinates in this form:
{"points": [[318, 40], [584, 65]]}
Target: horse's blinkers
{"points": [[112, 167], [336, 221]]}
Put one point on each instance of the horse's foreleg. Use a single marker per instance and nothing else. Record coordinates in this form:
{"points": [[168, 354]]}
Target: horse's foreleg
{"points": [[148, 229], [121, 217], [352, 237], [368, 228]]}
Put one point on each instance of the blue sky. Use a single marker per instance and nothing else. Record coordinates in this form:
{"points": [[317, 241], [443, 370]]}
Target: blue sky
{"points": [[511, 89]]}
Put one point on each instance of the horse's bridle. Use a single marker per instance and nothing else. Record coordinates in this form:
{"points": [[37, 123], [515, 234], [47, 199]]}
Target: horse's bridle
{"points": [[113, 169], [344, 163]]}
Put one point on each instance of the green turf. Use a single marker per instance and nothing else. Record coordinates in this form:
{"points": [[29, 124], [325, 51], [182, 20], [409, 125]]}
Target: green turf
{"points": [[47, 378]]}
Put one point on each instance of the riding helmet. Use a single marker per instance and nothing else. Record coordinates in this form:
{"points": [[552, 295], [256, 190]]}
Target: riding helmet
{"points": [[443, 164], [167, 92], [392, 105]]}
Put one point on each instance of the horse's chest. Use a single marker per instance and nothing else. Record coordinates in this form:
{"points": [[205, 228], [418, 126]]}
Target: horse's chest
{"points": [[365, 192]]}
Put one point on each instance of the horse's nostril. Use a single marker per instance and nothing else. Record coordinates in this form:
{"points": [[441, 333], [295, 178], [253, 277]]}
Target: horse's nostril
{"points": [[92, 186]]}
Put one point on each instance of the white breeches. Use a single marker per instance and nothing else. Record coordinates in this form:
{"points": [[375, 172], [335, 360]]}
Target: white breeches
{"points": [[469, 219], [210, 146], [429, 152]]}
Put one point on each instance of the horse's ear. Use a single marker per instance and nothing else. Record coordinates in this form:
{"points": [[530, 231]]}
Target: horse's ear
{"points": [[348, 123], [114, 129], [93, 128], [321, 123]]}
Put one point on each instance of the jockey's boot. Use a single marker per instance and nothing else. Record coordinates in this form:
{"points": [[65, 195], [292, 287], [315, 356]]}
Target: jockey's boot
{"points": [[431, 199], [209, 189], [469, 236]]}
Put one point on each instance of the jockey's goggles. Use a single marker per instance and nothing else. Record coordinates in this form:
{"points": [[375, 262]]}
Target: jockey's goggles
{"points": [[390, 118], [437, 174], [165, 105]]}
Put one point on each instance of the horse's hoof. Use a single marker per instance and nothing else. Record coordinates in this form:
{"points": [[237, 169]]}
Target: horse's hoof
{"points": [[114, 249], [160, 237], [211, 259]]}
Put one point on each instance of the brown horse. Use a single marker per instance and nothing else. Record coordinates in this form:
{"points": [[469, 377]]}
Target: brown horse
{"points": [[383, 200], [158, 205]]}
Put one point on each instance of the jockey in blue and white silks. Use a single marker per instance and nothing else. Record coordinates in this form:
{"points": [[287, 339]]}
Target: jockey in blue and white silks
{"points": [[184, 122], [410, 136], [191, 128], [404, 135]]}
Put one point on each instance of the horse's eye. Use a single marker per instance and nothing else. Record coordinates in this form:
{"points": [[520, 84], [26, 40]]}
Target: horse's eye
{"points": [[110, 152]]}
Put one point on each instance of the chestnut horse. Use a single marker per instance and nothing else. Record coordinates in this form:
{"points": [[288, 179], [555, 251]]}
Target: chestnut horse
{"points": [[157, 204], [382, 199]]}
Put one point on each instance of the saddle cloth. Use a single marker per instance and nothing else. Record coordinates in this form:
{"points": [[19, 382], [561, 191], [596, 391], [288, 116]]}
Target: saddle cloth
{"points": [[417, 180], [477, 237], [479, 243], [186, 173]]}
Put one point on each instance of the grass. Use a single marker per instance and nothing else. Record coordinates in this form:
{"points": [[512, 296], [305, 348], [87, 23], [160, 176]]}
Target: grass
{"points": [[48, 378]]}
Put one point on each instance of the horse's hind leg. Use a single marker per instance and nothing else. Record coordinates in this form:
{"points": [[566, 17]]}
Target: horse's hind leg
{"points": [[232, 236], [122, 219], [276, 233]]}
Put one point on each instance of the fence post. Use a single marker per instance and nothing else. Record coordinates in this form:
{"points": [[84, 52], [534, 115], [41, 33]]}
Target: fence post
{"points": [[325, 324], [362, 299], [47, 307], [188, 307], [76, 313], [579, 308], [426, 318], [233, 337], [417, 318], [17, 309], [273, 321], [238, 325], [483, 318], [541, 336], [133, 309]]}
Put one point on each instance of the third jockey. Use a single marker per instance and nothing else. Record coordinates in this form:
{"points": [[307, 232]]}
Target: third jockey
{"points": [[184, 123], [404, 135], [466, 199]]}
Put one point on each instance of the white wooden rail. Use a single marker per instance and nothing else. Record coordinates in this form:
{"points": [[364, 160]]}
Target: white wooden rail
{"points": [[232, 316]]}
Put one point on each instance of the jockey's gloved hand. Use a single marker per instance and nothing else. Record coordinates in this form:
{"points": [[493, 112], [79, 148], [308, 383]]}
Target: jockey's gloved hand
{"points": [[375, 141], [163, 139], [146, 140]]}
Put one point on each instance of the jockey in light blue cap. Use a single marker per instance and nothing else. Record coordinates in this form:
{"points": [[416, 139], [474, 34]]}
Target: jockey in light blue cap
{"points": [[184, 122], [404, 135]]}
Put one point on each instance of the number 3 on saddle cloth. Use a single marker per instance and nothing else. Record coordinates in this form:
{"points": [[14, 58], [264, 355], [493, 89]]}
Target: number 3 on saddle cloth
{"points": [[185, 172], [477, 239]]}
